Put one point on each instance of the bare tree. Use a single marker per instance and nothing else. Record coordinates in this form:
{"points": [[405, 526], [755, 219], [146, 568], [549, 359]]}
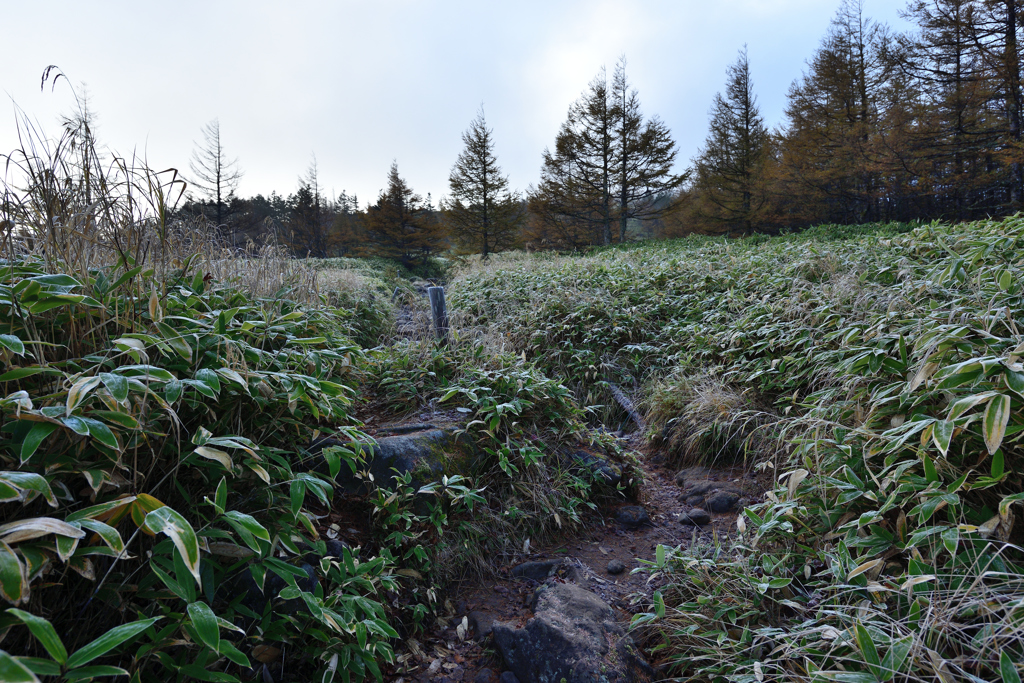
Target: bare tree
{"points": [[214, 175]]}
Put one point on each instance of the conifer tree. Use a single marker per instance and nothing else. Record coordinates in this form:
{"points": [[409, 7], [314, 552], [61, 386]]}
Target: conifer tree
{"points": [[397, 226], [482, 212], [644, 153], [730, 166], [608, 164]]}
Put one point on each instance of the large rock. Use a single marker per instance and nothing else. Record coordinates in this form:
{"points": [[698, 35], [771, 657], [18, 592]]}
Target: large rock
{"points": [[572, 636], [605, 471], [422, 449]]}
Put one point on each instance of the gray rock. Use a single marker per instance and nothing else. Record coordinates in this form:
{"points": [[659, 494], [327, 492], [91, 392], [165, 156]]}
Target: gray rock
{"points": [[537, 571], [695, 517], [418, 448], [632, 516], [616, 567], [508, 677], [481, 623], [484, 676], [573, 636], [692, 475], [723, 501]]}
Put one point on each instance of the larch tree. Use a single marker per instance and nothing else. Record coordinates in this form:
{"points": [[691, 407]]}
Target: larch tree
{"points": [[644, 154], [608, 165], [729, 169], [213, 173], [398, 225], [309, 227], [482, 212]]}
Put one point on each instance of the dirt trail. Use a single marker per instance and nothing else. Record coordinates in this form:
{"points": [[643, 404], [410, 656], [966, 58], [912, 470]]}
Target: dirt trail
{"points": [[446, 655]]}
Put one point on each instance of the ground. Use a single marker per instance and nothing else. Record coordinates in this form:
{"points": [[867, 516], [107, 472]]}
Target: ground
{"points": [[448, 653]]}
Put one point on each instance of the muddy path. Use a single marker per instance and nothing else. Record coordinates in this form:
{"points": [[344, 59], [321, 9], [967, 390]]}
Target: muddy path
{"points": [[457, 648]]}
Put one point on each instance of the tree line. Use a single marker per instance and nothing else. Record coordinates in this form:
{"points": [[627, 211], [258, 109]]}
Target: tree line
{"points": [[881, 126]]}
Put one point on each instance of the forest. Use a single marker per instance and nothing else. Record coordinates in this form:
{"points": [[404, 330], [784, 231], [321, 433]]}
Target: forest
{"points": [[881, 126]]}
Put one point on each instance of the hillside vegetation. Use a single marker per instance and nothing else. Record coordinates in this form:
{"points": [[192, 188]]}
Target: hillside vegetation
{"points": [[875, 371]]}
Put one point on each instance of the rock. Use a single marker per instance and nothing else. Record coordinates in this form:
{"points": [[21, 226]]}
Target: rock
{"points": [[419, 448], [723, 501], [481, 623], [616, 567], [508, 677], [693, 475], [632, 516], [607, 471], [573, 636], [695, 517], [484, 676], [537, 571]]}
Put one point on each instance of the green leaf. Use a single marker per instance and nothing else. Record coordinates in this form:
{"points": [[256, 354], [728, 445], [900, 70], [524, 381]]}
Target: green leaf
{"points": [[13, 579], [30, 481], [107, 533], [997, 415], [205, 623], [117, 385], [950, 539], [232, 653], [12, 344], [175, 340], [40, 666], [13, 671], [44, 632], [109, 640], [35, 437], [998, 464], [22, 373], [167, 520], [941, 435], [87, 673], [102, 433], [221, 496], [248, 528], [869, 652], [1007, 669]]}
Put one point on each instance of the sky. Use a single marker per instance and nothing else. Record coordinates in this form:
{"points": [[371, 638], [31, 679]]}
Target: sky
{"points": [[362, 84]]}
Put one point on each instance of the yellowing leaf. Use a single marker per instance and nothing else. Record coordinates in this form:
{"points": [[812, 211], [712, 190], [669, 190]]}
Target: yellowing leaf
{"points": [[215, 454], [168, 521], [864, 568], [997, 415], [795, 477], [26, 529], [260, 472]]}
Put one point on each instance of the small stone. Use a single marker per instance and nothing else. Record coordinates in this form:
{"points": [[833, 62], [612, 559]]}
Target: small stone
{"points": [[695, 517], [632, 516], [481, 623], [508, 677], [616, 567], [723, 501], [484, 676]]}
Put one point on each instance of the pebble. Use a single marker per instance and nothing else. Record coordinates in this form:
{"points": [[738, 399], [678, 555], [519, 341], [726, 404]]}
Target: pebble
{"points": [[616, 567]]}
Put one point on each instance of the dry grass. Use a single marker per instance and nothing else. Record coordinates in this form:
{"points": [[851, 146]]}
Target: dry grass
{"points": [[702, 420]]}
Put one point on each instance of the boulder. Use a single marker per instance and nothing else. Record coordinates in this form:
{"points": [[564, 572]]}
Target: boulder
{"points": [[573, 637], [632, 516], [422, 449]]}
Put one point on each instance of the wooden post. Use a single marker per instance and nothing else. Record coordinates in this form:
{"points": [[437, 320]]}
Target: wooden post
{"points": [[440, 311]]}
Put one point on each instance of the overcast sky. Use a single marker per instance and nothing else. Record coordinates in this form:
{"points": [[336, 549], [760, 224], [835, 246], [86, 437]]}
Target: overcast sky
{"points": [[360, 84]]}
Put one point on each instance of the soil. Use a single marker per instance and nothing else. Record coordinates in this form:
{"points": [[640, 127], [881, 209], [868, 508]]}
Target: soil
{"points": [[450, 653]]}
